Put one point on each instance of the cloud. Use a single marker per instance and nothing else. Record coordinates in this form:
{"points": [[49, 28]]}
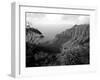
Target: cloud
{"points": [[70, 17], [35, 15], [76, 19], [55, 19], [83, 20]]}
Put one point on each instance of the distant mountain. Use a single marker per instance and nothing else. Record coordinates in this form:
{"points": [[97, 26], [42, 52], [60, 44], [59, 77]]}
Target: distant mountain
{"points": [[63, 37], [66, 35], [69, 36]]}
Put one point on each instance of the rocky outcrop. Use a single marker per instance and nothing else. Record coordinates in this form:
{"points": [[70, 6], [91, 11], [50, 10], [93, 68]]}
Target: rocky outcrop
{"points": [[33, 35]]}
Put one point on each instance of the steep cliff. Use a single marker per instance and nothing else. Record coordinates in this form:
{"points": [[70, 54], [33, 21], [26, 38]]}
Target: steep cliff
{"points": [[33, 35], [76, 50]]}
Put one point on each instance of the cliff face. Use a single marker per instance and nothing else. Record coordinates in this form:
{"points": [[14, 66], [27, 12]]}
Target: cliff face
{"points": [[33, 35], [76, 50], [80, 35]]}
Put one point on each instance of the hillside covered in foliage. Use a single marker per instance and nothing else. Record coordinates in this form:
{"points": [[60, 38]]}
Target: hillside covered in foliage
{"points": [[70, 47]]}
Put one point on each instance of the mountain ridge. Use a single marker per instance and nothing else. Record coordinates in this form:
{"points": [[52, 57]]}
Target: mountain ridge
{"points": [[70, 47]]}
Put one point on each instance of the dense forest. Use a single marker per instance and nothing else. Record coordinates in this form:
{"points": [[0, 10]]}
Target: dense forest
{"points": [[70, 47]]}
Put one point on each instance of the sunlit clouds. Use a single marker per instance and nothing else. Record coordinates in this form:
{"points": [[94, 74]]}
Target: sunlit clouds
{"points": [[56, 19]]}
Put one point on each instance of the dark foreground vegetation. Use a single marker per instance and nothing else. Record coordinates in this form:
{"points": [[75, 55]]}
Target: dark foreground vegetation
{"points": [[71, 47]]}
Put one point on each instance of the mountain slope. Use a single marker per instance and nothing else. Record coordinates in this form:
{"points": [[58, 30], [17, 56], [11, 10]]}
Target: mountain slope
{"points": [[33, 35], [76, 50], [70, 47]]}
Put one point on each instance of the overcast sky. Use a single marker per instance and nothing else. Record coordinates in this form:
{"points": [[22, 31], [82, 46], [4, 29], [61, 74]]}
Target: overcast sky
{"points": [[52, 24]]}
